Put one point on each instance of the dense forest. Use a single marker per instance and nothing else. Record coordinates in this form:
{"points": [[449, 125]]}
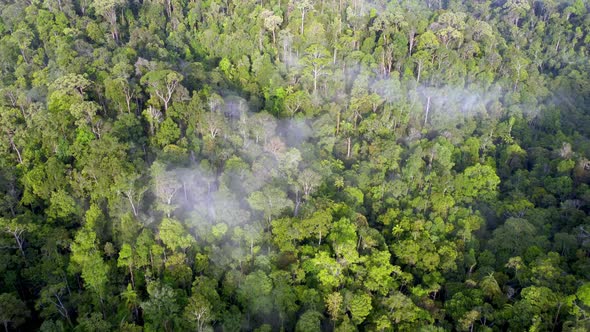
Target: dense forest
{"points": [[294, 165]]}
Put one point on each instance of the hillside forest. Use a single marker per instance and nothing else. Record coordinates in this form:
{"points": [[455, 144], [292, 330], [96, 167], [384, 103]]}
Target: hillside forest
{"points": [[294, 165]]}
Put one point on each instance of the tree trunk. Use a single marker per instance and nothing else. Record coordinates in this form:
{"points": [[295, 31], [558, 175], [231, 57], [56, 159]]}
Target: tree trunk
{"points": [[297, 204], [24, 56], [132, 278], [315, 80], [348, 146], [556, 316], [168, 8], [302, 20], [128, 101], [335, 53], [20, 244], [338, 123], [427, 111], [20, 159], [132, 204], [419, 72]]}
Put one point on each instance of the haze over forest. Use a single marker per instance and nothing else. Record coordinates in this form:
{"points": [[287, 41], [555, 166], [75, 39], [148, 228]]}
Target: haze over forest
{"points": [[294, 165]]}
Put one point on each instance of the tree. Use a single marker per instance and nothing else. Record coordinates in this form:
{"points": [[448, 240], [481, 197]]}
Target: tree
{"points": [[479, 181], [255, 292], [198, 311], [304, 6], [334, 305], [85, 114], [379, 271], [163, 84], [284, 296], [316, 59], [23, 36], [462, 302], [422, 60], [87, 258], [539, 306], [108, 10], [427, 42], [344, 241], [165, 186], [212, 125], [122, 86], [153, 117], [581, 305], [161, 310], [93, 323], [11, 129], [53, 300], [449, 27], [317, 225], [13, 311], [326, 269], [339, 165], [127, 259], [519, 64], [297, 101], [131, 300], [514, 237], [174, 236], [168, 133], [515, 9], [489, 286], [17, 228], [309, 321], [359, 306], [307, 182], [133, 188], [467, 322], [71, 84], [403, 312], [271, 22], [271, 201]]}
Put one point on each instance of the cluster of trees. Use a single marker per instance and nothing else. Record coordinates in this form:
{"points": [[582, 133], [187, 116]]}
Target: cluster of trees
{"points": [[294, 165]]}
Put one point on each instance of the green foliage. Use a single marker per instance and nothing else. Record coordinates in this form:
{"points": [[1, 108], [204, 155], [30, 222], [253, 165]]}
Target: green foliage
{"points": [[270, 201], [86, 258], [359, 306], [294, 165], [309, 321], [255, 292], [161, 310], [168, 133], [13, 312], [479, 181], [174, 236]]}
